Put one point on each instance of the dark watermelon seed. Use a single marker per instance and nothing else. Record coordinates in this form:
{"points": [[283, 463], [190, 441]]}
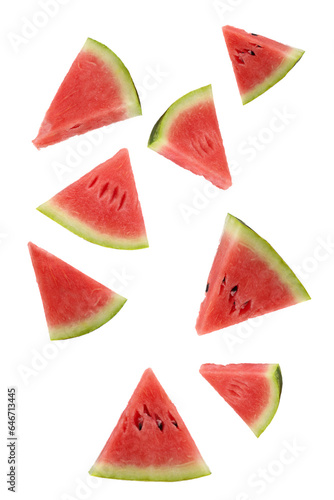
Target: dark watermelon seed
{"points": [[138, 420], [234, 290], [251, 53], [159, 422], [172, 419], [254, 34], [239, 60], [233, 308], [207, 287]]}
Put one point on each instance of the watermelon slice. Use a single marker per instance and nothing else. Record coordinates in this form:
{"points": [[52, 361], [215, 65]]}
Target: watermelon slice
{"points": [[253, 390], [258, 62], [74, 304], [102, 206], [150, 441], [97, 90], [188, 134], [247, 279]]}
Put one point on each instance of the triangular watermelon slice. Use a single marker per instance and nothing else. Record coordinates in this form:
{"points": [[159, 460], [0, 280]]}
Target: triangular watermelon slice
{"points": [[258, 62], [102, 206], [252, 390], [188, 134], [247, 279], [97, 90], [74, 303], [150, 441]]}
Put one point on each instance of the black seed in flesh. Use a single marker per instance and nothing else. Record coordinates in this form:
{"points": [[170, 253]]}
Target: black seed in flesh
{"points": [[254, 34], [172, 419], [234, 290], [207, 287], [159, 422], [138, 420], [251, 53]]}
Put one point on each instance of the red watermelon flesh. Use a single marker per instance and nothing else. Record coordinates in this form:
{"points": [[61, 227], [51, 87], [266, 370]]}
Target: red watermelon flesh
{"points": [[150, 441], [258, 62], [102, 206], [74, 303], [247, 279], [188, 134], [252, 390], [97, 90]]}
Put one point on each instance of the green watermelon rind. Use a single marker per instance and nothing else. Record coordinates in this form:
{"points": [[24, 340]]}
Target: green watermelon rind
{"points": [[274, 376], [127, 86], [239, 231], [167, 474], [87, 232], [291, 60], [90, 324], [159, 134]]}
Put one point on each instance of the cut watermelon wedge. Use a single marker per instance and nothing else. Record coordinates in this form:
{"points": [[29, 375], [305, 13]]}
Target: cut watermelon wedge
{"points": [[74, 304], [150, 441], [188, 134], [258, 62], [247, 279], [252, 390], [102, 206], [97, 90]]}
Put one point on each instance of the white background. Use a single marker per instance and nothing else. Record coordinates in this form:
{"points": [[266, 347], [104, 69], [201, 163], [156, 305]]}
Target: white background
{"points": [[68, 405]]}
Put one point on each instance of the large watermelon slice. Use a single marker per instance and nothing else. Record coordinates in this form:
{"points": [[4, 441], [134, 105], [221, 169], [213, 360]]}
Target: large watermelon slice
{"points": [[150, 441], [188, 134], [74, 304], [253, 390], [258, 62], [247, 279], [102, 206], [97, 90]]}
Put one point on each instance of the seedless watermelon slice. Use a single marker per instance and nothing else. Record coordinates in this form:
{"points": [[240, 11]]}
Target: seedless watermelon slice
{"points": [[252, 390], [102, 206], [188, 134], [247, 279], [74, 303], [258, 62], [150, 441], [97, 90]]}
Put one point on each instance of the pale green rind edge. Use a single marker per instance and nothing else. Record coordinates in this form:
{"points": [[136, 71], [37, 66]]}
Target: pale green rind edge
{"points": [[109, 311], [274, 375], [84, 231], [127, 85], [167, 474], [240, 231], [291, 60], [158, 137]]}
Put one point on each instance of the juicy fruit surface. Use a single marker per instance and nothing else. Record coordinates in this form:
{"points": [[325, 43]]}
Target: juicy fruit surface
{"points": [[150, 441], [258, 62], [252, 390], [247, 279], [102, 206], [73, 302], [97, 90], [188, 134]]}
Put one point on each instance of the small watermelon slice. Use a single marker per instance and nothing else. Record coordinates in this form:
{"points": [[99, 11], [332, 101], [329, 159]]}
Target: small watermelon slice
{"points": [[247, 279], [258, 62], [102, 206], [252, 390], [188, 134], [97, 90], [74, 303], [150, 441]]}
